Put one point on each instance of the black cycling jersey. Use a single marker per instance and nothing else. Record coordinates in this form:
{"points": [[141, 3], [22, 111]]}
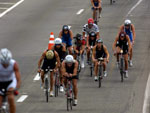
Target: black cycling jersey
{"points": [[70, 69], [92, 42], [60, 52], [123, 44], [100, 53]]}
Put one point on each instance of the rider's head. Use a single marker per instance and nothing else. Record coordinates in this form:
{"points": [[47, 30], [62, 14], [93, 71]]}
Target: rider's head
{"points": [[99, 42], [122, 35], [127, 23], [5, 57], [69, 60], [79, 38], [58, 42], [49, 54], [90, 22], [65, 29], [92, 35]]}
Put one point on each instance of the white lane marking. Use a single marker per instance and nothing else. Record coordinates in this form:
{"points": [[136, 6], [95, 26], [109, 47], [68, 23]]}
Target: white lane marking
{"points": [[146, 97], [9, 9], [80, 11], [37, 77], [134, 7], [6, 3], [22, 98], [3, 8]]}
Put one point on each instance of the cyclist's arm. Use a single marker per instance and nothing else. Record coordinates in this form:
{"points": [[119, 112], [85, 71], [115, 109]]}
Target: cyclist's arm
{"points": [[57, 60], [75, 69], [92, 3], [64, 73], [60, 34], [97, 35], [121, 29], [75, 48], [106, 51], [71, 34], [99, 5], [82, 48], [94, 53], [41, 59], [17, 74], [133, 31], [114, 44], [129, 43], [87, 41]]}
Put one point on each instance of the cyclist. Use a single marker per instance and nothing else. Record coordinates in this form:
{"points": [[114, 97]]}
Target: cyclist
{"points": [[96, 4], [122, 41], [91, 41], [9, 78], [67, 36], [79, 46], [90, 27], [100, 50], [129, 29], [70, 67], [61, 50], [49, 58]]}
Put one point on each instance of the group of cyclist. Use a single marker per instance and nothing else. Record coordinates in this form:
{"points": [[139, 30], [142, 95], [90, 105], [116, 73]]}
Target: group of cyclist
{"points": [[62, 57]]}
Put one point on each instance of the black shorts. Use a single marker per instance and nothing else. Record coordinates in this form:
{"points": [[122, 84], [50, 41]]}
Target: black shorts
{"points": [[74, 77], [47, 65], [125, 49], [4, 86]]}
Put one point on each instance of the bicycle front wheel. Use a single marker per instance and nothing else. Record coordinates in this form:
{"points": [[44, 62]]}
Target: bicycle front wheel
{"points": [[46, 88], [100, 77], [121, 69]]}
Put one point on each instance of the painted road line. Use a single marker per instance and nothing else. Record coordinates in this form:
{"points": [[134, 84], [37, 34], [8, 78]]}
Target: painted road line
{"points": [[80, 11], [37, 77], [146, 97], [3, 8], [134, 7], [9, 9], [22, 98], [6, 3]]}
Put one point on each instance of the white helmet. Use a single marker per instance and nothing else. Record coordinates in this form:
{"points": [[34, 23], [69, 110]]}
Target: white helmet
{"points": [[58, 41], [69, 59], [5, 56], [127, 22]]}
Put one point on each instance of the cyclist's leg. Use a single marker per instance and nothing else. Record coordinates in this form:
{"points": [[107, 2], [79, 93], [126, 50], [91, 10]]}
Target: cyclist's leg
{"points": [[51, 80], [12, 106], [42, 76], [104, 65], [69, 44], [60, 75], [131, 53], [126, 61], [96, 67], [10, 95], [117, 51], [75, 89], [88, 53]]}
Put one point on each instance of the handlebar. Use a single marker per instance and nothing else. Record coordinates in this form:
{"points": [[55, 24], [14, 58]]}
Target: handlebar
{"points": [[101, 59]]}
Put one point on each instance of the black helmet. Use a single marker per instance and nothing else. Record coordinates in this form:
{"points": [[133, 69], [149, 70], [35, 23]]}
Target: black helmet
{"points": [[92, 34], [99, 40], [78, 36], [65, 27]]}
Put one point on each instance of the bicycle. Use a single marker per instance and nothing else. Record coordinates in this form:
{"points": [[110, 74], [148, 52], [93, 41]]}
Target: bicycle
{"points": [[46, 81], [100, 75], [96, 16], [4, 107], [79, 65], [91, 63], [122, 72], [69, 94], [57, 84]]}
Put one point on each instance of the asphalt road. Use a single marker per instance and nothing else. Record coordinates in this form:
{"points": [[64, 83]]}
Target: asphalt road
{"points": [[25, 31]]}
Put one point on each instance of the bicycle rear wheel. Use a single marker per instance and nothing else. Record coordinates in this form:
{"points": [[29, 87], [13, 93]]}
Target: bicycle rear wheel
{"points": [[111, 1], [46, 88]]}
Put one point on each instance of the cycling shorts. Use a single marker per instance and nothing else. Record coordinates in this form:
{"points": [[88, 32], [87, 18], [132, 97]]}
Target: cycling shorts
{"points": [[5, 86], [47, 65], [68, 41]]}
